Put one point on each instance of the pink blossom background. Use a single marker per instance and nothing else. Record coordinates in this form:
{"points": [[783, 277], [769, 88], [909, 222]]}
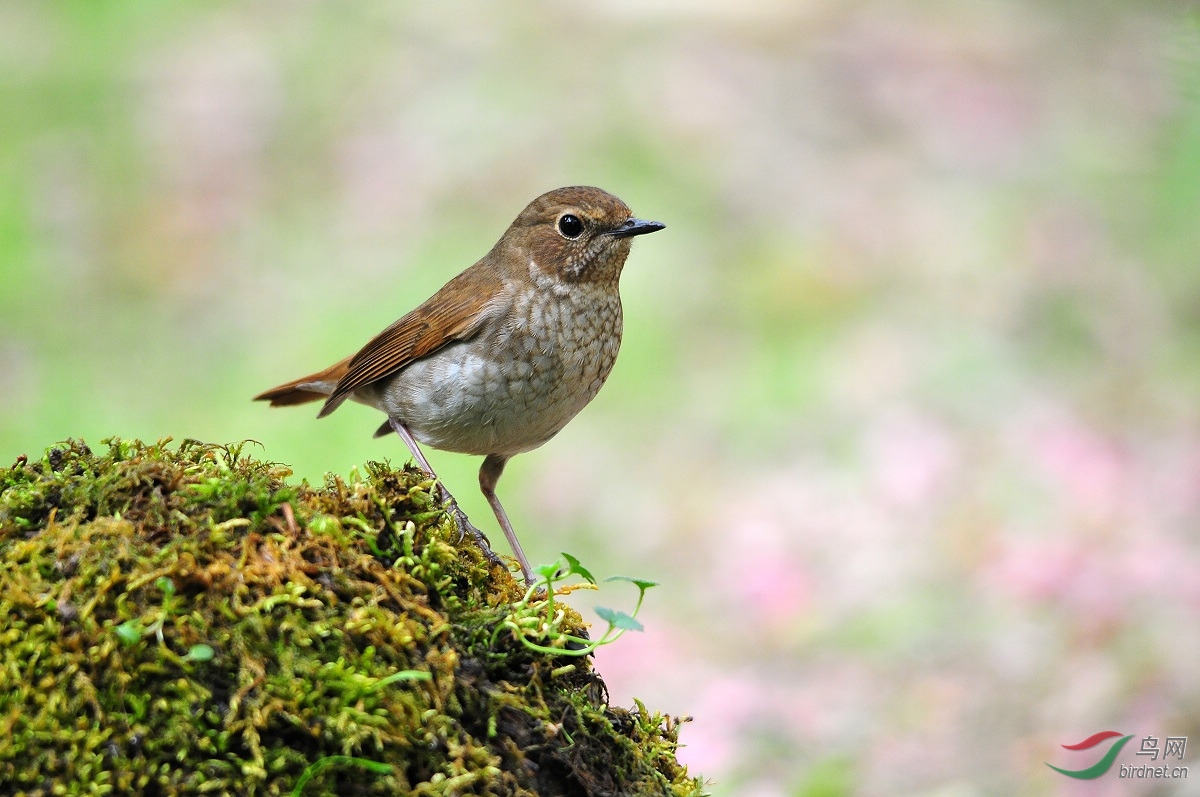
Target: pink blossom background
{"points": [[907, 416]]}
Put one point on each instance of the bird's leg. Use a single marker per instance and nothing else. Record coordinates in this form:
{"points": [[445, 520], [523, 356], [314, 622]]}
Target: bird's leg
{"points": [[489, 474], [460, 517]]}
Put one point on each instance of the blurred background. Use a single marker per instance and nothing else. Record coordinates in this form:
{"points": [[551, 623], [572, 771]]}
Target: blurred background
{"points": [[907, 417]]}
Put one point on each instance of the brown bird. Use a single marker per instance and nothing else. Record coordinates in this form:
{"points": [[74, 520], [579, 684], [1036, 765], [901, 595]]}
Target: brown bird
{"points": [[497, 361]]}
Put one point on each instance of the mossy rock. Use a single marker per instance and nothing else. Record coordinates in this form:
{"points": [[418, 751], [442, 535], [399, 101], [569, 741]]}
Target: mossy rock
{"points": [[181, 620]]}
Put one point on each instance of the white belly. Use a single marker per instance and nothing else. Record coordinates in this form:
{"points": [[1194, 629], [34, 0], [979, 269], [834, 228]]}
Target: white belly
{"points": [[501, 393]]}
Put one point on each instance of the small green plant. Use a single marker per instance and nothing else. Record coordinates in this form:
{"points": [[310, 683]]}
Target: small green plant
{"points": [[539, 625], [131, 632], [402, 675], [199, 653]]}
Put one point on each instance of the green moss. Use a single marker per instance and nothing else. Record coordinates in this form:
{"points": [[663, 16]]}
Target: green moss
{"points": [[184, 621]]}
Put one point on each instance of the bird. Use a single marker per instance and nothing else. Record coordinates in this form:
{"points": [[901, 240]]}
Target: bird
{"points": [[500, 358]]}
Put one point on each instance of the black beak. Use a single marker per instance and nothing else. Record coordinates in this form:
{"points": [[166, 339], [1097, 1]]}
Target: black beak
{"points": [[636, 227]]}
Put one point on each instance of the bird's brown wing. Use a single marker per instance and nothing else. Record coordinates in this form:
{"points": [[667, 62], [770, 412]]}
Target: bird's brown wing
{"points": [[455, 312], [307, 388]]}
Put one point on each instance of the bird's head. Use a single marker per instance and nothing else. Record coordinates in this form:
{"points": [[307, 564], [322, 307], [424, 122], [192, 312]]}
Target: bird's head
{"points": [[575, 234]]}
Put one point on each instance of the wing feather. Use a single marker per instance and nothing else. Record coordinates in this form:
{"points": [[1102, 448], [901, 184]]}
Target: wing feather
{"points": [[456, 312]]}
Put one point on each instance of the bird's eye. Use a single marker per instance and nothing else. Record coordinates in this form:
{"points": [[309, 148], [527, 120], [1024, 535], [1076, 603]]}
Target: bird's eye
{"points": [[570, 226]]}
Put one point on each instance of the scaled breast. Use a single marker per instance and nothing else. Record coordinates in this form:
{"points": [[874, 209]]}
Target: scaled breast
{"points": [[514, 392]]}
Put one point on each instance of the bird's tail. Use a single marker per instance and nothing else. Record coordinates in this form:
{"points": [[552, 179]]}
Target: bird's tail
{"points": [[307, 388]]}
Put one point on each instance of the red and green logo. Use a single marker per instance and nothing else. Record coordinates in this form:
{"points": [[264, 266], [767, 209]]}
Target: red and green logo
{"points": [[1104, 764]]}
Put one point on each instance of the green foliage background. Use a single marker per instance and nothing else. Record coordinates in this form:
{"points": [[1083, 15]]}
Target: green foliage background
{"points": [[906, 416]]}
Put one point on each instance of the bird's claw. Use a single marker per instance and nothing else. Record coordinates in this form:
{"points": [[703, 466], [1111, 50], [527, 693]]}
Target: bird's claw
{"points": [[465, 525]]}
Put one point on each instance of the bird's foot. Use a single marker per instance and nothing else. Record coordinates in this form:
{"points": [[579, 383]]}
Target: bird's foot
{"points": [[465, 526]]}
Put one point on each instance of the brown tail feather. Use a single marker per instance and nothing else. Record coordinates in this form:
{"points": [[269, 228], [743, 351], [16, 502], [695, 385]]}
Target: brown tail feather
{"points": [[313, 387]]}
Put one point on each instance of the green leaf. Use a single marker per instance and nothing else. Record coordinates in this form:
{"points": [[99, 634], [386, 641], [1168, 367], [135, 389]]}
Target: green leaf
{"points": [[548, 572], [166, 585], [618, 619], [200, 653], [378, 767], [640, 583], [129, 632], [578, 569]]}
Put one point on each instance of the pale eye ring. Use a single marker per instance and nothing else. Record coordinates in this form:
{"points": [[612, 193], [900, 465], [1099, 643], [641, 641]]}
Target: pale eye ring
{"points": [[569, 226]]}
